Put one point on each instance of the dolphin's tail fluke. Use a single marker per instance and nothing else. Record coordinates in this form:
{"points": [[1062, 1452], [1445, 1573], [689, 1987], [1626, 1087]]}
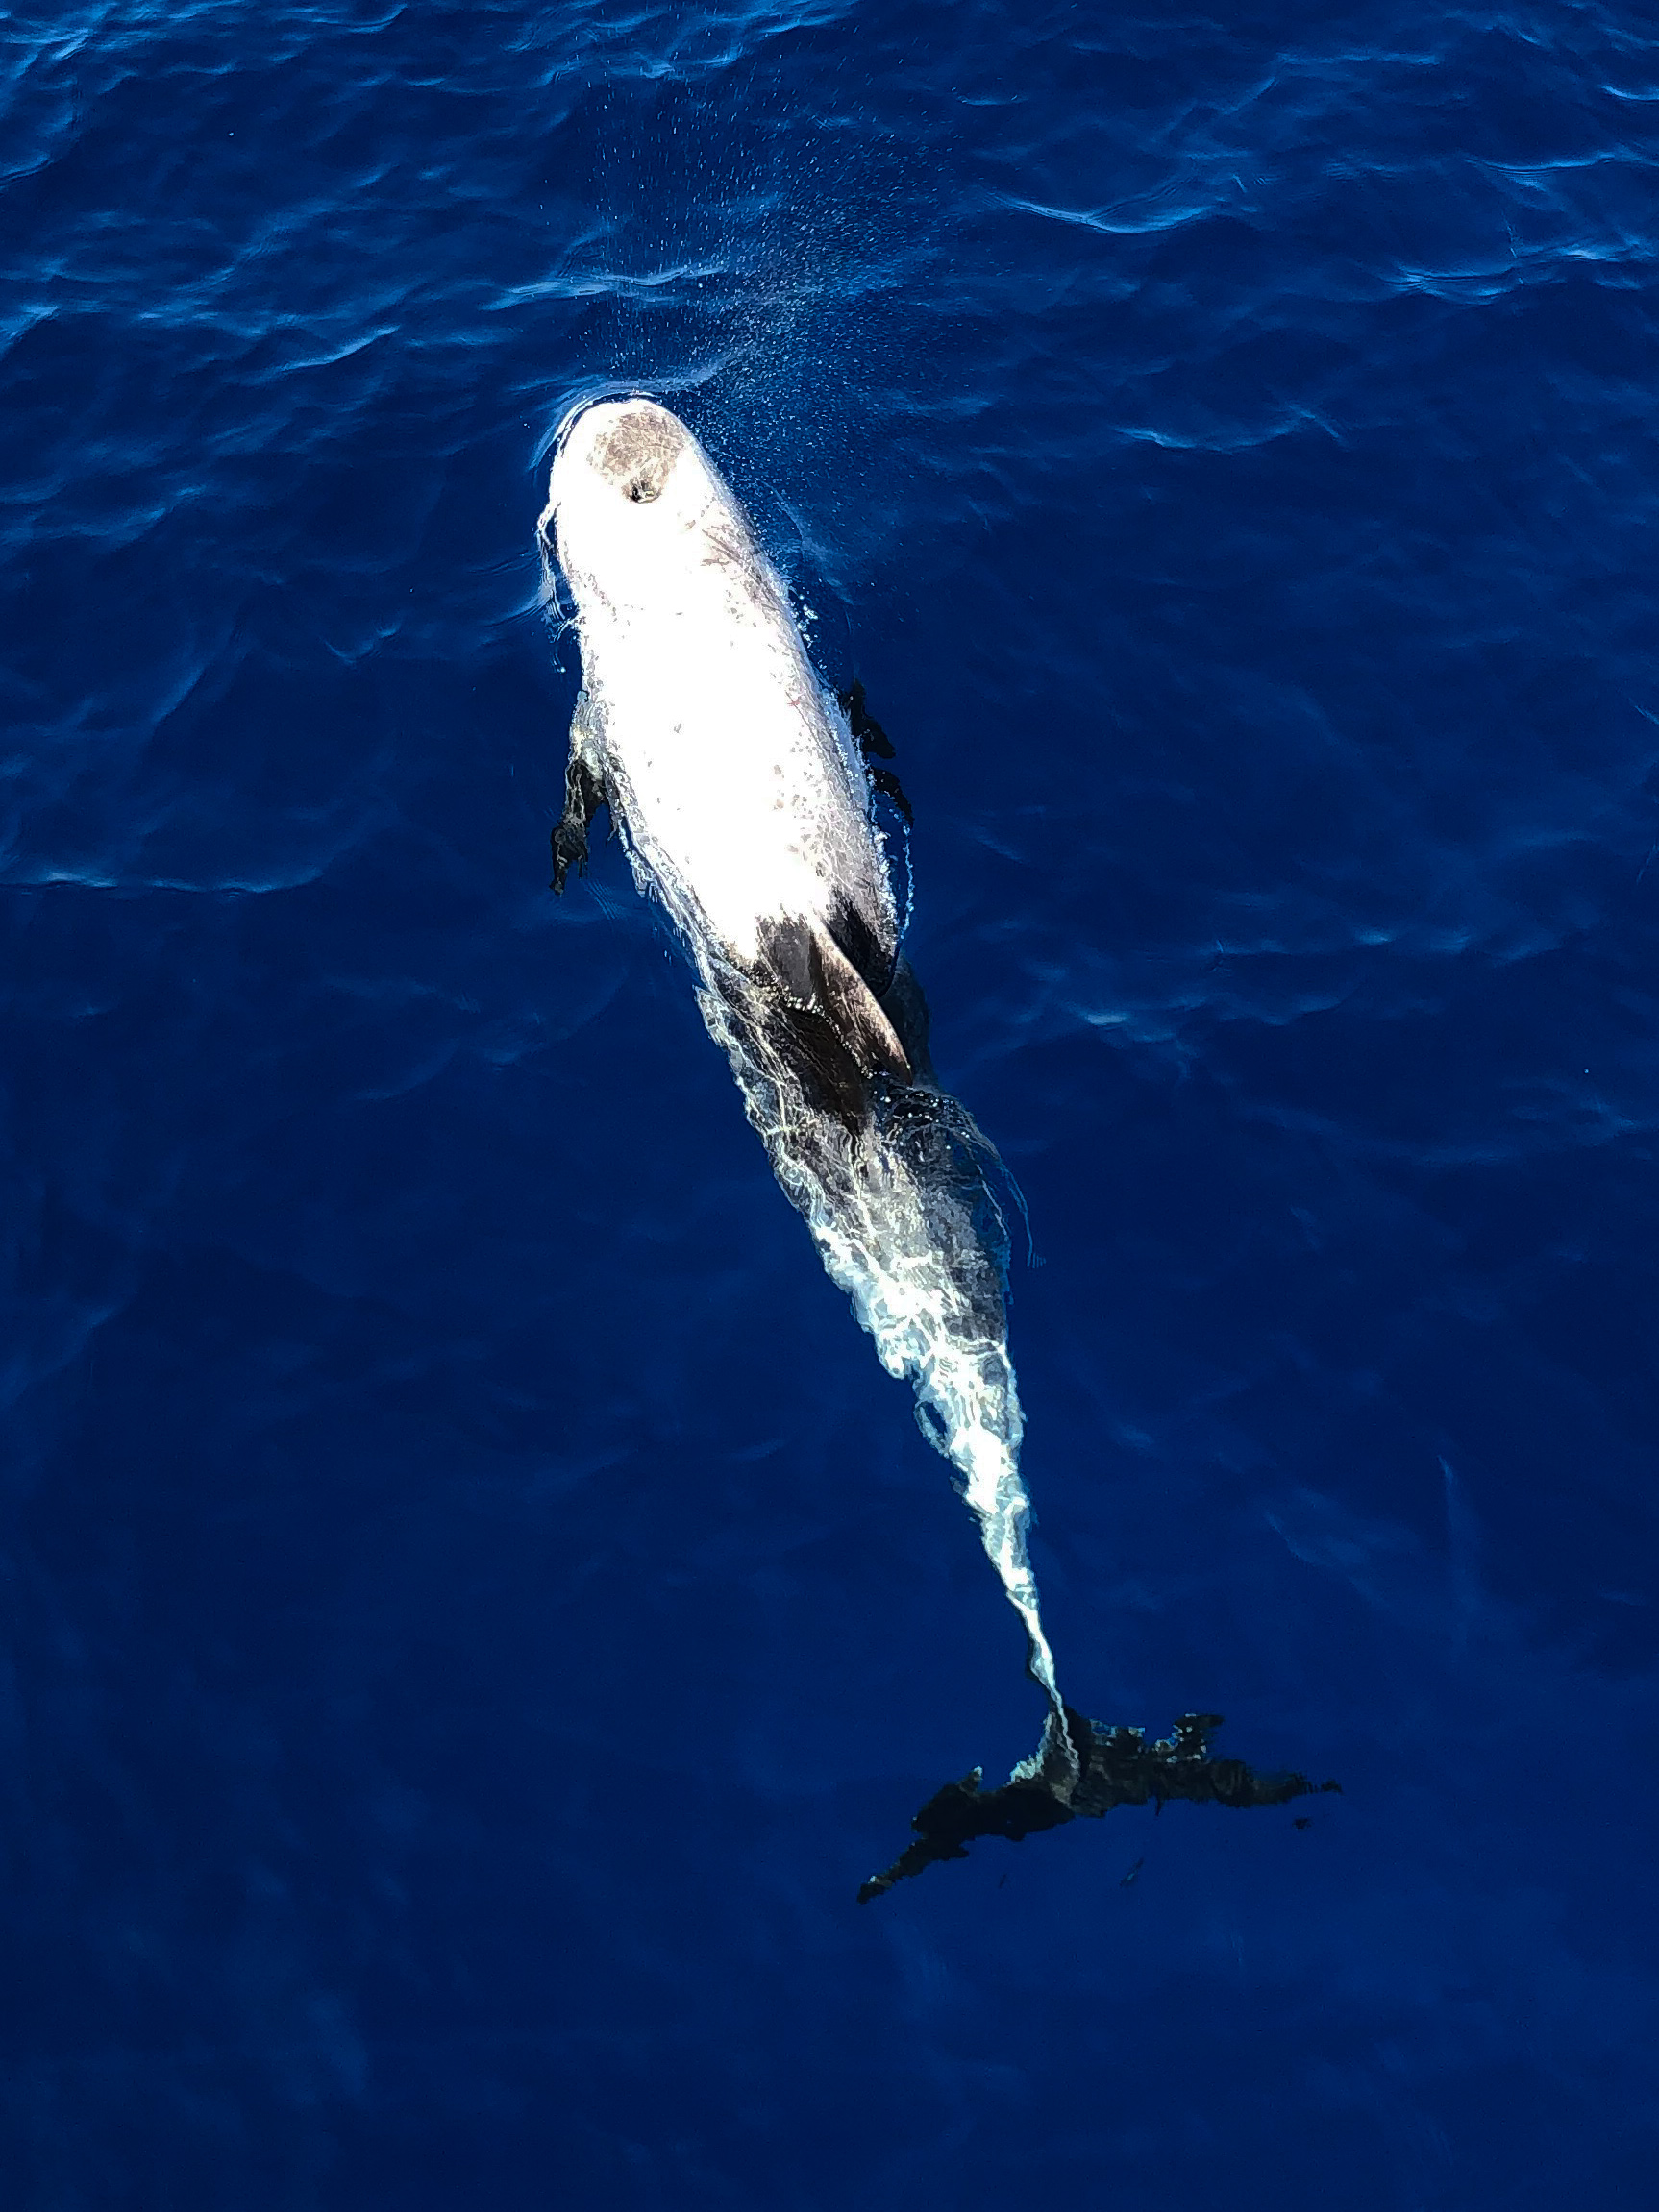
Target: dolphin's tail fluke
{"points": [[1083, 1769]]}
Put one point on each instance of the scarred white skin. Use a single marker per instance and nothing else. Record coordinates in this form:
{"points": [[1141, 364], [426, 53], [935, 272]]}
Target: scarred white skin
{"points": [[741, 793]]}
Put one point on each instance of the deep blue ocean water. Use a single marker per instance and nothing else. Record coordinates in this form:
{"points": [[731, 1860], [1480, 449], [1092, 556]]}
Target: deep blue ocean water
{"points": [[474, 1608]]}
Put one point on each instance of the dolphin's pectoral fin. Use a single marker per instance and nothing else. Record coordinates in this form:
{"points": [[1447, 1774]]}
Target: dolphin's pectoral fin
{"points": [[1113, 1766], [584, 797], [584, 794], [874, 744], [884, 780], [870, 738]]}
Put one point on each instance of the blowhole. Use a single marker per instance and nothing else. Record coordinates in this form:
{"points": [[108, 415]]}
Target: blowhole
{"points": [[641, 488]]}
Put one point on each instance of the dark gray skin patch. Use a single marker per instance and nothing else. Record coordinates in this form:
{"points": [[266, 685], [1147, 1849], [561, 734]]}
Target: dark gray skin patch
{"points": [[639, 454]]}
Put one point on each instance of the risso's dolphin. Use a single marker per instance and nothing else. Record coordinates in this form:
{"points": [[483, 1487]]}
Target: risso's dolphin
{"points": [[742, 790]]}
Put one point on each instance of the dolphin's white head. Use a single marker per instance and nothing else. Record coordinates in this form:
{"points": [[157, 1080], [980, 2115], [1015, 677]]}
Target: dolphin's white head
{"points": [[631, 446], [628, 480]]}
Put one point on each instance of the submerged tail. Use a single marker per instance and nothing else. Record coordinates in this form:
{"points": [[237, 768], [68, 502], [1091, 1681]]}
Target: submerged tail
{"points": [[1113, 1766]]}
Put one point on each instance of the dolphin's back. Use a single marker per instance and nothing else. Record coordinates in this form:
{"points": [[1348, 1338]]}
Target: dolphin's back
{"points": [[735, 777], [732, 775]]}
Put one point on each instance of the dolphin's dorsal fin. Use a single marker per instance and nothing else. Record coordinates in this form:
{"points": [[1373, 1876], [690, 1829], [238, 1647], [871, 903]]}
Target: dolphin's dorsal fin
{"points": [[806, 964]]}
